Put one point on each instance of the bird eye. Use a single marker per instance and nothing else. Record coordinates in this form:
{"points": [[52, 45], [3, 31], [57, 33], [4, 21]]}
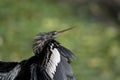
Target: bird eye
{"points": [[54, 33]]}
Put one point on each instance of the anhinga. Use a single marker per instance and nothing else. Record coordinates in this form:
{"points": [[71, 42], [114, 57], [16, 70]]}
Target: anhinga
{"points": [[50, 62]]}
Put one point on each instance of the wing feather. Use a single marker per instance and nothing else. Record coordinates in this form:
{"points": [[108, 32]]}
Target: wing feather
{"points": [[64, 69], [11, 75], [66, 52]]}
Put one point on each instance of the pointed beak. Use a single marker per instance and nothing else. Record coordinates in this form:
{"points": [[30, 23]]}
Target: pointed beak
{"points": [[65, 30]]}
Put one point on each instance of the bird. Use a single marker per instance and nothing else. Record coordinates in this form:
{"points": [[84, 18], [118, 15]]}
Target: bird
{"points": [[51, 61]]}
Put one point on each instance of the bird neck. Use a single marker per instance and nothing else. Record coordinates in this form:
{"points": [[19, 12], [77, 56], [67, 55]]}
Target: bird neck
{"points": [[50, 58]]}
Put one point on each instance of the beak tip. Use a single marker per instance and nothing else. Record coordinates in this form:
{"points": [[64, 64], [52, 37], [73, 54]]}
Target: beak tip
{"points": [[62, 31]]}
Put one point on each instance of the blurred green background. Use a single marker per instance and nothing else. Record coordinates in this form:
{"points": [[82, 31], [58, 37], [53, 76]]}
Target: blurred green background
{"points": [[95, 41]]}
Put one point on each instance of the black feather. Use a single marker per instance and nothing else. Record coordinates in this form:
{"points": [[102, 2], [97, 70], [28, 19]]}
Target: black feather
{"points": [[51, 62]]}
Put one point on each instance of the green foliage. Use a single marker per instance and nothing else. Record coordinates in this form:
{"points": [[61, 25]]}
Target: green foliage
{"points": [[95, 45]]}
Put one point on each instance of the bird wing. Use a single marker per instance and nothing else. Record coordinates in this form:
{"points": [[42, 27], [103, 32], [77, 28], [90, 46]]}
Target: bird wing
{"points": [[11, 75], [7, 66], [37, 74], [66, 52], [64, 70]]}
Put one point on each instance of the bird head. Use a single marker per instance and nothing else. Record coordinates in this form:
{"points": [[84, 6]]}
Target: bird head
{"points": [[44, 38]]}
